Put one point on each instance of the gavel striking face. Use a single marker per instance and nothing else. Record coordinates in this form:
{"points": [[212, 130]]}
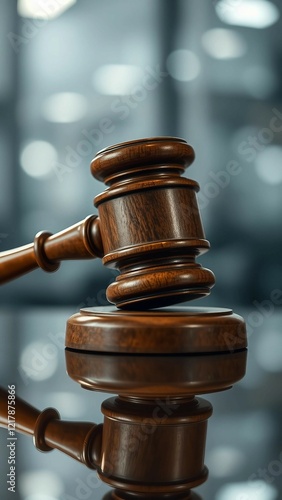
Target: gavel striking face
{"points": [[148, 227]]}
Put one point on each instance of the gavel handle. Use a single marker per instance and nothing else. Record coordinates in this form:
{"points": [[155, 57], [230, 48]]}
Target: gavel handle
{"points": [[80, 241], [80, 440]]}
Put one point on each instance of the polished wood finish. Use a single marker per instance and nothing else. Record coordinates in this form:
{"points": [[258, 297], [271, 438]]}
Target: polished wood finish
{"points": [[149, 228], [156, 375], [80, 241], [154, 432], [150, 223], [135, 428], [152, 442], [145, 446], [167, 330], [172, 351]]}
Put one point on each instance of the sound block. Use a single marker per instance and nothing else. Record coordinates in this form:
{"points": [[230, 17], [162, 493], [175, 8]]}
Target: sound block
{"points": [[173, 351]]}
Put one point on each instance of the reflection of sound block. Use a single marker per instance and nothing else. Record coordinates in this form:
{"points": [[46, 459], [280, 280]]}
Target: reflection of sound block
{"points": [[114, 496], [156, 361]]}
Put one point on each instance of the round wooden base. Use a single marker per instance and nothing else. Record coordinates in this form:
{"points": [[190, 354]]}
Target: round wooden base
{"points": [[165, 352], [169, 330]]}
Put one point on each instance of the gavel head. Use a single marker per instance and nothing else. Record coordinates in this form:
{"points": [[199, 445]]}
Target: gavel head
{"points": [[150, 224]]}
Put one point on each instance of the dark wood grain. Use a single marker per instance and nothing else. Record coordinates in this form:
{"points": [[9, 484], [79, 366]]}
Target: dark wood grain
{"points": [[150, 223], [171, 330], [135, 428], [80, 241]]}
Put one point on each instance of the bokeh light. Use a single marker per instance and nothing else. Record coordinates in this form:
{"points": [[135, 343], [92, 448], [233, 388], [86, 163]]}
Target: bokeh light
{"points": [[183, 65], [37, 159]]}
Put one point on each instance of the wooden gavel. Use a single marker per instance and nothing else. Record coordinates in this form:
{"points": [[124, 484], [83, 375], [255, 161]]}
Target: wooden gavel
{"points": [[148, 227]]}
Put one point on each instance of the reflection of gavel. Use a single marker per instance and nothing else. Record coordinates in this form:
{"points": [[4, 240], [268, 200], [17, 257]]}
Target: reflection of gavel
{"points": [[148, 227], [115, 446]]}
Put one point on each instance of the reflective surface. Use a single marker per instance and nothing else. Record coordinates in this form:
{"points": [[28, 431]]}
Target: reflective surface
{"points": [[244, 442]]}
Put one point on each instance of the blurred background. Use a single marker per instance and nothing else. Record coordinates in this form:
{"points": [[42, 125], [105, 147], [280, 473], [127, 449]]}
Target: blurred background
{"points": [[77, 76]]}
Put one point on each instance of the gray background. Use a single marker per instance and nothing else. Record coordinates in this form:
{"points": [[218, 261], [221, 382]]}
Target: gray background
{"points": [[230, 110]]}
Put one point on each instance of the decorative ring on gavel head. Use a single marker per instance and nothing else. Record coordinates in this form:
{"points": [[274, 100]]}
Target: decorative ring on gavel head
{"points": [[150, 224]]}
